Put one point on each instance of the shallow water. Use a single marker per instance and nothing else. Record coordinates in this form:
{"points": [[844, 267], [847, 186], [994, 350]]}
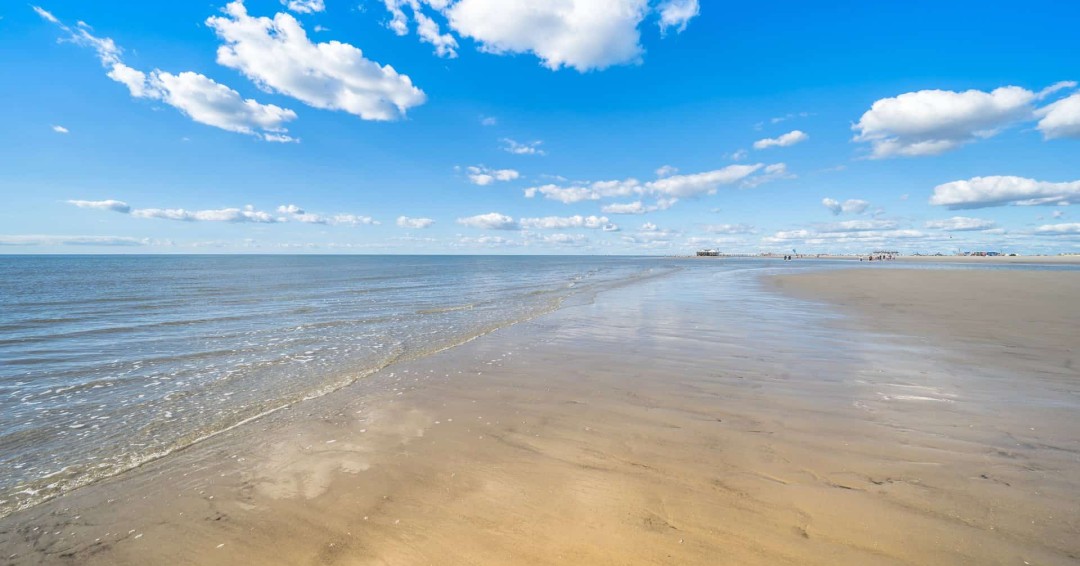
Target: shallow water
{"points": [[107, 362]]}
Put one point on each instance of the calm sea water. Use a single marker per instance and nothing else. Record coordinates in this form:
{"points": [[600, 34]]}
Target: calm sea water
{"points": [[107, 362]]}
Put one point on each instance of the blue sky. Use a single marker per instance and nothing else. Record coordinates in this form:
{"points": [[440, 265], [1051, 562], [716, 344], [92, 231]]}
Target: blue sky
{"points": [[508, 126]]}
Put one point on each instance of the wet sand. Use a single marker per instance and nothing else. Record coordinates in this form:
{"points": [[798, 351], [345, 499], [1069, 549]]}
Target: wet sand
{"points": [[701, 418]]}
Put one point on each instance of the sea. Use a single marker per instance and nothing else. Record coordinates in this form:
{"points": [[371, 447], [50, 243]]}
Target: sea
{"points": [[107, 362]]}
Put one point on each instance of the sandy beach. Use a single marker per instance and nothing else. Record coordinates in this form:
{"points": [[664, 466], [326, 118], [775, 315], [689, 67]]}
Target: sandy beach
{"points": [[849, 416]]}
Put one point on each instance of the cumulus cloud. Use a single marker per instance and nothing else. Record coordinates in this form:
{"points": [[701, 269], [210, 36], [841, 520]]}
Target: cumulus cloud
{"points": [[930, 122], [566, 222], [668, 189], [426, 28], [579, 34], [60, 129], [480, 175], [1061, 119], [196, 96], [982, 192], [277, 55], [961, 224], [1059, 229], [791, 138], [677, 14], [113, 205], [853, 206], [489, 121], [416, 223], [529, 148], [489, 221], [304, 6]]}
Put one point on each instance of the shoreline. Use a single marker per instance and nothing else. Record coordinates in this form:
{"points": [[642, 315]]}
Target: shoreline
{"points": [[657, 422], [964, 260]]}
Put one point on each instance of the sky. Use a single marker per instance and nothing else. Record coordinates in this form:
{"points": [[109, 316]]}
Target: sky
{"points": [[539, 127]]}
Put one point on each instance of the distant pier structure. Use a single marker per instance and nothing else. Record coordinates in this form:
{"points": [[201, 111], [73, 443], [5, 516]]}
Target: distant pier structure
{"points": [[708, 253]]}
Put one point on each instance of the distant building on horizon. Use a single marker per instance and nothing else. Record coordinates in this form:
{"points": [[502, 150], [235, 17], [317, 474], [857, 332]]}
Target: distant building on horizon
{"points": [[708, 253]]}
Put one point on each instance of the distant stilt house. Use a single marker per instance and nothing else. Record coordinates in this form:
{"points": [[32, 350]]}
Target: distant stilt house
{"points": [[708, 253]]}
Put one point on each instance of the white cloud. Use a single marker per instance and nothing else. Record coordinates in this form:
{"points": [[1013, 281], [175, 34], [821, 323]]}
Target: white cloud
{"points": [[855, 206], [232, 215], [738, 155], [730, 229], [480, 175], [789, 116], [580, 34], [668, 189], [487, 241], [277, 55], [961, 224], [60, 129], [113, 205], [489, 121], [416, 223], [929, 122], [429, 32], [352, 220], [197, 96], [1057, 214], [529, 148], [304, 6], [637, 207], [652, 236], [680, 186], [560, 239], [773, 172], [791, 138], [842, 237], [1061, 119], [666, 171], [566, 222], [300, 215], [46, 15], [489, 221], [1059, 229], [214, 104], [41, 240], [981, 192], [859, 226], [677, 14]]}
